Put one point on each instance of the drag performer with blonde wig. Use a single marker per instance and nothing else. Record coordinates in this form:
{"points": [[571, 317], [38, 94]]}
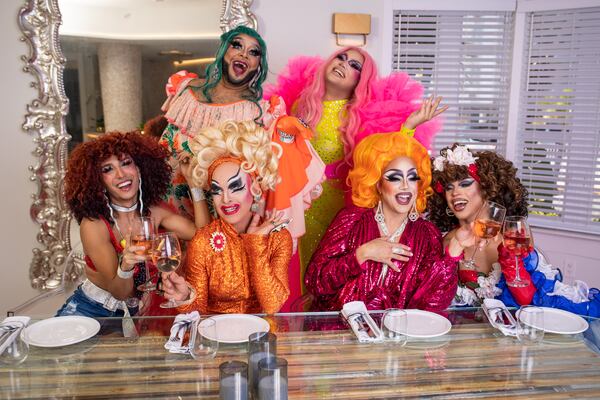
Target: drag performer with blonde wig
{"points": [[239, 262], [379, 250]]}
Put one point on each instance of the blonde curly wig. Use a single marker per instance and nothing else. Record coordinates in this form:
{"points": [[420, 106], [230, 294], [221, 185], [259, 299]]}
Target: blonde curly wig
{"points": [[244, 140]]}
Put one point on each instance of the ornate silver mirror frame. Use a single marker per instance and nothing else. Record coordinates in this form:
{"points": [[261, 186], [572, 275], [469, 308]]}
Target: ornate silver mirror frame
{"points": [[45, 121]]}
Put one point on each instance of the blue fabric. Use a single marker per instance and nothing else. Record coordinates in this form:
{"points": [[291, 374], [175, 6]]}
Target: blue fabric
{"points": [[545, 286], [80, 304]]}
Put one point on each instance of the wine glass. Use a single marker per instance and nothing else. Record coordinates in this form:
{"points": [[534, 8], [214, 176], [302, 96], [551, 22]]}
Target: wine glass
{"points": [[142, 234], [394, 325], [488, 223], [518, 242], [166, 254]]}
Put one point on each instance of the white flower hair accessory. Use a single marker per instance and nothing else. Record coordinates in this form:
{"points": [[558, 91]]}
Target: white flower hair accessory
{"points": [[459, 156]]}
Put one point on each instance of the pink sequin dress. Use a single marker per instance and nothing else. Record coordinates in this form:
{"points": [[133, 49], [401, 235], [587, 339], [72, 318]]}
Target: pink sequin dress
{"points": [[427, 281]]}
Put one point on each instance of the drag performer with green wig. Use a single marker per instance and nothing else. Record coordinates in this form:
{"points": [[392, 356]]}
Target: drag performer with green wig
{"points": [[232, 90]]}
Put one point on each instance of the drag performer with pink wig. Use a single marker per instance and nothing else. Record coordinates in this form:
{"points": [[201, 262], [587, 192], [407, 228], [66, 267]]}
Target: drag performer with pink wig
{"points": [[343, 101]]}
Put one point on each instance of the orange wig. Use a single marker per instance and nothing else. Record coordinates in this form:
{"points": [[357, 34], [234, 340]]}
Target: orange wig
{"points": [[372, 156]]}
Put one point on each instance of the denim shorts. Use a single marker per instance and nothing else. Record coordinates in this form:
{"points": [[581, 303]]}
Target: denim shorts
{"points": [[80, 304]]}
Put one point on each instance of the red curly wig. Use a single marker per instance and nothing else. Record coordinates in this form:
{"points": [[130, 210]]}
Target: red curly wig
{"points": [[84, 188]]}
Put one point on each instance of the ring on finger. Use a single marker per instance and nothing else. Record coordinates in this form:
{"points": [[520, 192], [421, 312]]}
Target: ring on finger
{"points": [[398, 250]]}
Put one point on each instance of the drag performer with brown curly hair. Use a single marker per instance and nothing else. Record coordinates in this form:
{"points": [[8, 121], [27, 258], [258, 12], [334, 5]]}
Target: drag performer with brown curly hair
{"points": [[111, 182], [463, 181]]}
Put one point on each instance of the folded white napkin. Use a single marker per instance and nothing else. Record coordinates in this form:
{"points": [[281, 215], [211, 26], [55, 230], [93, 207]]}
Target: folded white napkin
{"points": [[361, 323], [499, 317], [10, 329], [182, 323]]}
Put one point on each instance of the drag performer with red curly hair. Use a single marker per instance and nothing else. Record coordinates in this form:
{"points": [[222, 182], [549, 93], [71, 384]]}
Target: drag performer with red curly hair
{"points": [[379, 250], [109, 183]]}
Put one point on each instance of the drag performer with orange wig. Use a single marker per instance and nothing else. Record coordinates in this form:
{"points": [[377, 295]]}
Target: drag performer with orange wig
{"points": [[239, 262], [379, 250]]}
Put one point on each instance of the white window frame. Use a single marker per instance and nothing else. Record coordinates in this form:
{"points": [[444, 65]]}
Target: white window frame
{"points": [[521, 8]]}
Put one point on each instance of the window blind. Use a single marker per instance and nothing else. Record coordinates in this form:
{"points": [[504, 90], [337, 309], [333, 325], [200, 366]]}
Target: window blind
{"points": [[558, 151], [464, 56]]}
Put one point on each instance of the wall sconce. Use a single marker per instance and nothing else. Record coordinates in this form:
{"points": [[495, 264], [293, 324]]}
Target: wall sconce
{"points": [[351, 29]]}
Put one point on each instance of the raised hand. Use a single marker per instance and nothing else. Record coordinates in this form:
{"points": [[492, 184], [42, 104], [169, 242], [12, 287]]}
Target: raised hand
{"points": [[383, 251], [131, 254], [186, 165], [429, 109], [272, 220]]}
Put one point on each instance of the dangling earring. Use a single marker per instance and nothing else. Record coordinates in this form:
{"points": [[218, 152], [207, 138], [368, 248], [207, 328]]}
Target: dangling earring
{"points": [[413, 215], [140, 194], [256, 204], [449, 212], [256, 196]]}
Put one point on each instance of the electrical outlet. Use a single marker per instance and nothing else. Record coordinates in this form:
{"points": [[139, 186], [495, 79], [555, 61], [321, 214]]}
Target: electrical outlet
{"points": [[569, 272]]}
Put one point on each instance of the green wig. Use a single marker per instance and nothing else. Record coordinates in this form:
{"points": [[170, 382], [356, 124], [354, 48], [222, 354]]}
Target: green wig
{"points": [[214, 71]]}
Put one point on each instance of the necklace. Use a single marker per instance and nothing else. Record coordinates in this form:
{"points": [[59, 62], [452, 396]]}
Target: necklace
{"points": [[379, 217], [119, 208]]}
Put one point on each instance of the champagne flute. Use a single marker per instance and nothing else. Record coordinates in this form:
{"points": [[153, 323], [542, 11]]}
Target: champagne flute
{"points": [[142, 234], [487, 225], [166, 254], [518, 242]]}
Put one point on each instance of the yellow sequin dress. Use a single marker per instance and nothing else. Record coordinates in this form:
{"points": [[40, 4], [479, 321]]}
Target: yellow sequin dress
{"points": [[330, 148]]}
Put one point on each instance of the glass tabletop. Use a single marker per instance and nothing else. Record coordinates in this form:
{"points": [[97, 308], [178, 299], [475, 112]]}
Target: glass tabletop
{"points": [[324, 360]]}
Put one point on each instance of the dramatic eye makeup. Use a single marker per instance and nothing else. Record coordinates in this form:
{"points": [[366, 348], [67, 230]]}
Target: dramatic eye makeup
{"points": [[106, 168], [215, 189], [395, 175], [235, 183], [236, 43], [352, 63], [255, 52], [465, 183]]}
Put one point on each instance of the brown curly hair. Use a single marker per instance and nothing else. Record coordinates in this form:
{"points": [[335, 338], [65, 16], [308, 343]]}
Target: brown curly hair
{"points": [[498, 183], [84, 189]]}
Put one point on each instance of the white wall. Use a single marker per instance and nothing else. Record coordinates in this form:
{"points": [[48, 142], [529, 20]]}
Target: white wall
{"points": [[303, 27], [17, 235]]}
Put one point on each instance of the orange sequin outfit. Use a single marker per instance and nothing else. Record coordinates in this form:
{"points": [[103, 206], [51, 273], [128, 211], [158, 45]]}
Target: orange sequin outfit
{"points": [[238, 273]]}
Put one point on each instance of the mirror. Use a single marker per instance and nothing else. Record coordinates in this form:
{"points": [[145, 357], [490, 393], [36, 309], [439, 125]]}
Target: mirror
{"points": [[102, 65]]}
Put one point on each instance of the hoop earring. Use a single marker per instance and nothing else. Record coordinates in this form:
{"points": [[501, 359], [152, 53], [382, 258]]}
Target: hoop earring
{"points": [[413, 215], [449, 212]]}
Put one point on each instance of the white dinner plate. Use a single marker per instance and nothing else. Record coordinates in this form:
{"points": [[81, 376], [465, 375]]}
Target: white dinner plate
{"points": [[558, 321], [60, 331], [425, 324], [235, 328]]}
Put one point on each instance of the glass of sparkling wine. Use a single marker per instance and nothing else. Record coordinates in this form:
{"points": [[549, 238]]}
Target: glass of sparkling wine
{"points": [[519, 242], [487, 225], [142, 234], [166, 254]]}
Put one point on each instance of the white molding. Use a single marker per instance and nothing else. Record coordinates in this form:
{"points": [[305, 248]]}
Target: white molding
{"points": [[387, 23], [515, 85], [547, 5], [455, 5]]}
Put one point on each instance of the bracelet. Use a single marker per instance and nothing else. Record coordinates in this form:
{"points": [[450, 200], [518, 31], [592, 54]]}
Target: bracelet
{"points": [[197, 194], [191, 296], [124, 274]]}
